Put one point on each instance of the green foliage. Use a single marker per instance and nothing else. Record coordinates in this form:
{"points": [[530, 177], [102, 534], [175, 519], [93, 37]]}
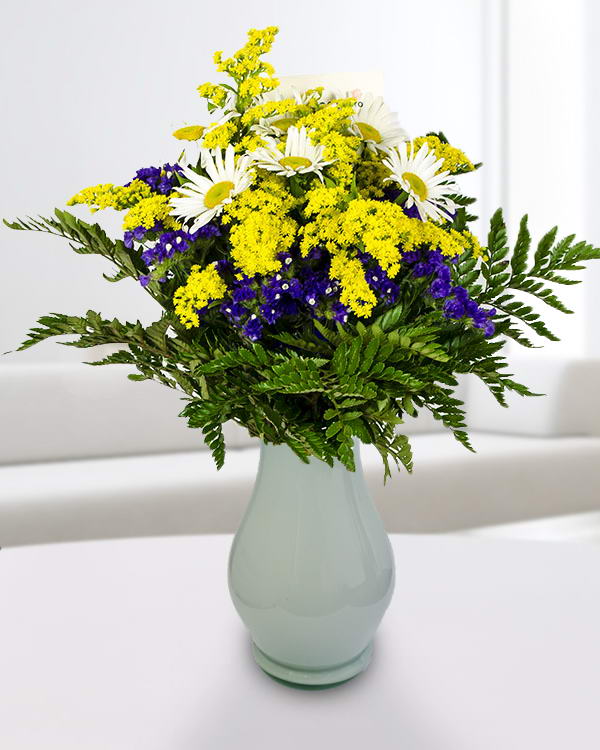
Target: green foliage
{"points": [[505, 277], [323, 386]]}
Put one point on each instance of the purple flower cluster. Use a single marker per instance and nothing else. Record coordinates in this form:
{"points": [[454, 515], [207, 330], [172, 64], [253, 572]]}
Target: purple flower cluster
{"points": [[161, 179], [457, 303], [167, 243], [385, 289], [461, 305], [254, 303]]}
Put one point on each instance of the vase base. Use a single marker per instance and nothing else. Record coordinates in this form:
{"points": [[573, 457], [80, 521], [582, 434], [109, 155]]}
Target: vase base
{"points": [[313, 679]]}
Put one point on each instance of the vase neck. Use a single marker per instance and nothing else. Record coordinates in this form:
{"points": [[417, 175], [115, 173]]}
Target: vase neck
{"points": [[283, 459]]}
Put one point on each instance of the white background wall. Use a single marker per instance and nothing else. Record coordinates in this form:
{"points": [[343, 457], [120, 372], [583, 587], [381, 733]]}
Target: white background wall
{"points": [[544, 131], [92, 91]]}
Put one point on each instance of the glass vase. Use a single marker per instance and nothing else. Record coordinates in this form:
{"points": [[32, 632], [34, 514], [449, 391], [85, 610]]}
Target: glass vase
{"points": [[311, 569]]}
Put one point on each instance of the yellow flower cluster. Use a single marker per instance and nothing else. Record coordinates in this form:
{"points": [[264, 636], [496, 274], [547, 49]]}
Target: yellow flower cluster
{"points": [[214, 93], [255, 86], [261, 227], [219, 136], [145, 207], [111, 196], [288, 107], [148, 211], [370, 176], [256, 241], [380, 229], [324, 201], [455, 160], [334, 116], [203, 285], [249, 143], [356, 292], [246, 61]]}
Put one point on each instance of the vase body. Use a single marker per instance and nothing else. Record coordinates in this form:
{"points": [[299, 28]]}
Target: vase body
{"points": [[311, 569]]}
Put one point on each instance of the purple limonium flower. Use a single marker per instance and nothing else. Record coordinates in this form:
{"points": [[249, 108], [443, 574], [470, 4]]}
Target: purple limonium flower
{"points": [[149, 256], [135, 234], [145, 279], [253, 328], [454, 308], [285, 258], [411, 256], [440, 288], [390, 291], [149, 175], [316, 286], [243, 292], [208, 230], [222, 265], [161, 179], [293, 287], [271, 313], [271, 291], [340, 312], [423, 268], [233, 310]]}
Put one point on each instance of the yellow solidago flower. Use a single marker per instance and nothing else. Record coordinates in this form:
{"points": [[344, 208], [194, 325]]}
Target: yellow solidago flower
{"points": [[371, 174], [355, 290], [112, 196], [342, 150], [260, 225], [213, 93], [148, 211], [287, 108], [202, 286], [219, 136], [455, 160], [249, 143], [246, 60], [255, 86], [324, 201], [258, 239]]}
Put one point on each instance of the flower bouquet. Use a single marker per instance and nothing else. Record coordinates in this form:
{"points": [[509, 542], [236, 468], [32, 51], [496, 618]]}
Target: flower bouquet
{"points": [[317, 276]]}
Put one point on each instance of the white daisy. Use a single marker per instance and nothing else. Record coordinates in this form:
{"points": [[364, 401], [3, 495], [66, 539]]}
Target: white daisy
{"points": [[301, 155], [427, 188], [376, 125], [274, 126], [202, 198]]}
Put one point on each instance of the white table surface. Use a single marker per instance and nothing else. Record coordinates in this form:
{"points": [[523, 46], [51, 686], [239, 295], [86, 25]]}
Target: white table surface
{"points": [[134, 645]]}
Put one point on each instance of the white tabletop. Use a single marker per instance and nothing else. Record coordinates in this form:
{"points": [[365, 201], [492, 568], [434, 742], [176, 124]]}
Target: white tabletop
{"points": [[134, 645]]}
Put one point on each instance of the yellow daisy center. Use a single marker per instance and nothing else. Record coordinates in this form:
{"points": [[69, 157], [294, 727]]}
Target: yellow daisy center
{"points": [[283, 123], [189, 133], [295, 162], [417, 185], [368, 132], [219, 192]]}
